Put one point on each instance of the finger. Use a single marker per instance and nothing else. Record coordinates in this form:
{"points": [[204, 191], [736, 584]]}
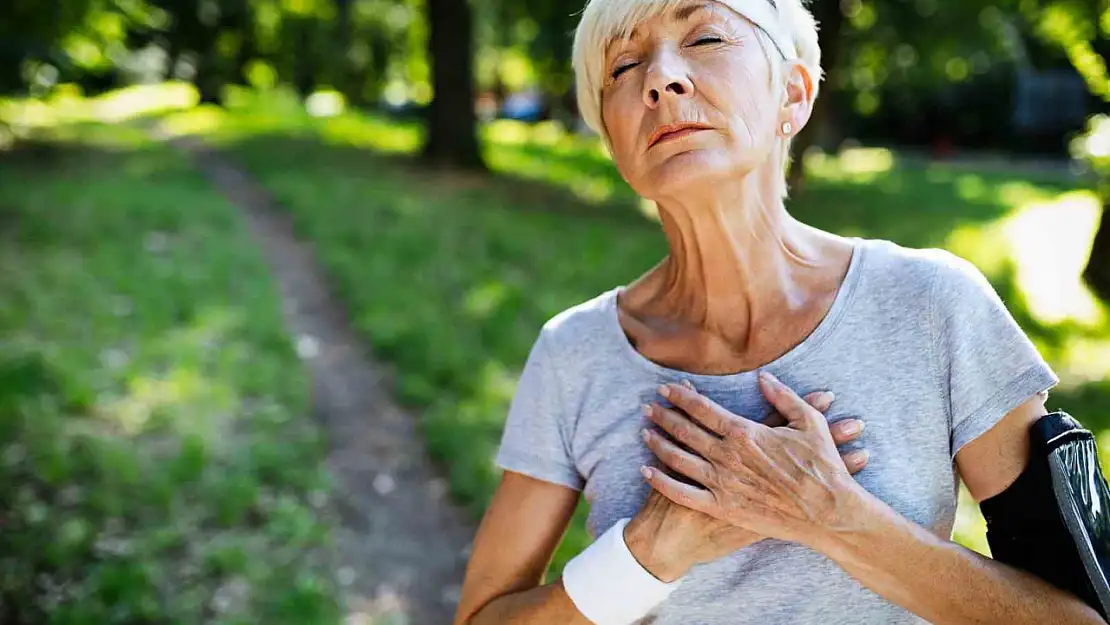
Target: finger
{"points": [[704, 410], [856, 460], [681, 428], [680, 460], [818, 399], [821, 400], [684, 495], [846, 430], [798, 413]]}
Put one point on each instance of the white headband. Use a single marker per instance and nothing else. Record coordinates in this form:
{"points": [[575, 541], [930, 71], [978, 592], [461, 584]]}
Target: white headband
{"points": [[764, 14]]}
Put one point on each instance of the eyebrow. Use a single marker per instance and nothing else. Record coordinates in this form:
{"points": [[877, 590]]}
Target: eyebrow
{"points": [[684, 13]]}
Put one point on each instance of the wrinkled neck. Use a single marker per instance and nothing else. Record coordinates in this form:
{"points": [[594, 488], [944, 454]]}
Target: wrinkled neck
{"points": [[736, 255]]}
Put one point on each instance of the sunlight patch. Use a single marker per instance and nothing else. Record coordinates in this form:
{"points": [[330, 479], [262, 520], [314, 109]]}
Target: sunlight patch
{"points": [[325, 104], [508, 132], [481, 301], [1083, 360], [1049, 243], [866, 160], [649, 209], [130, 102], [856, 165], [201, 120], [378, 134]]}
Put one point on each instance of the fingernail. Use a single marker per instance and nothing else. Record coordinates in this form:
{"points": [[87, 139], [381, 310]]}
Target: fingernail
{"points": [[769, 380], [664, 391], [856, 458], [646, 409], [828, 397], [644, 434], [646, 472], [688, 384], [852, 427]]}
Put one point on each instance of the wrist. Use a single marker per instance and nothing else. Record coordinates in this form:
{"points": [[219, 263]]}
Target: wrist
{"points": [[642, 544], [858, 515], [608, 586]]}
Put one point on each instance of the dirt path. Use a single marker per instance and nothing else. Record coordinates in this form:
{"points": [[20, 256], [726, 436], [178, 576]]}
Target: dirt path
{"points": [[401, 543]]}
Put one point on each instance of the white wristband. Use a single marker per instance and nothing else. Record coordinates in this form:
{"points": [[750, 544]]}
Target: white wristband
{"points": [[608, 585]]}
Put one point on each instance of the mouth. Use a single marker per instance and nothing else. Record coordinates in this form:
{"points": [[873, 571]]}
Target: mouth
{"points": [[667, 132]]}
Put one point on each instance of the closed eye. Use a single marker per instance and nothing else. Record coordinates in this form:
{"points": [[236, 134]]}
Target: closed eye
{"points": [[700, 41], [622, 69]]}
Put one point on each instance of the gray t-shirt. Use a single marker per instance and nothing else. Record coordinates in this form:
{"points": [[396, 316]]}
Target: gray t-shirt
{"points": [[916, 343]]}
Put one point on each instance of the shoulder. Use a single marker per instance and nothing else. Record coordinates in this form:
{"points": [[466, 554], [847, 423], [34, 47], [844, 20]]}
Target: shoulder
{"points": [[915, 263], [931, 276], [575, 333]]}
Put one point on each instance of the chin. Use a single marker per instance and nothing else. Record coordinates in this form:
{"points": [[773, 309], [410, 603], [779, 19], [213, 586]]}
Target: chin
{"points": [[680, 173]]}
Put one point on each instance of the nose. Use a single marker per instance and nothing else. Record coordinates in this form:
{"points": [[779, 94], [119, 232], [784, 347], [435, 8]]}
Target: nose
{"points": [[667, 77]]}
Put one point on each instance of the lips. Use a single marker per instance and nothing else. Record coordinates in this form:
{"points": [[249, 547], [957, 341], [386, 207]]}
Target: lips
{"points": [[666, 130]]}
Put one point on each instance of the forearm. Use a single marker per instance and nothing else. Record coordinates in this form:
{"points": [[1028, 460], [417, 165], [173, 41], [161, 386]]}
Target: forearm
{"points": [[538, 606], [939, 580]]}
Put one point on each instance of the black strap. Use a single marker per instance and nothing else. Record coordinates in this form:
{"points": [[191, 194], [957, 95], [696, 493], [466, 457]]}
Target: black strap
{"points": [[1025, 528]]}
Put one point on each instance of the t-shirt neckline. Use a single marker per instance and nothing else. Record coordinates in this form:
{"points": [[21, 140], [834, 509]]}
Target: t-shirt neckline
{"points": [[818, 336]]}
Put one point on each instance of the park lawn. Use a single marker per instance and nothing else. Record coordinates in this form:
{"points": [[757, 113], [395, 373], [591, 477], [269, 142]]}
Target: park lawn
{"points": [[158, 463], [450, 276]]}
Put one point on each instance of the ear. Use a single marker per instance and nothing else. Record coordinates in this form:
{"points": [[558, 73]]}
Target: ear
{"points": [[801, 90]]}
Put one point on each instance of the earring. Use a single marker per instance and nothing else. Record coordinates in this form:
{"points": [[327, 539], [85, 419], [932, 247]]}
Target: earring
{"points": [[787, 128]]}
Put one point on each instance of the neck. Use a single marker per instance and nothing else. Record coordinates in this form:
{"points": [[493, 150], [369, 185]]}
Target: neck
{"points": [[738, 260]]}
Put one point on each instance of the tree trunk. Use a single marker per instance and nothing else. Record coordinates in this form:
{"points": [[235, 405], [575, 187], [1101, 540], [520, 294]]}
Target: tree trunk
{"points": [[452, 121], [379, 63], [1097, 273], [830, 21], [346, 79], [248, 48], [207, 79], [304, 75]]}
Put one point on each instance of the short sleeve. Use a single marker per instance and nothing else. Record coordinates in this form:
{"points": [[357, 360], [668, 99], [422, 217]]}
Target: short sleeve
{"points": [[983, 357], [536, 438]]}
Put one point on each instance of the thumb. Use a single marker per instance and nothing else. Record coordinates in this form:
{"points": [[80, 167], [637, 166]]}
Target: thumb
{"points": [[799, 414], [820, 400]]}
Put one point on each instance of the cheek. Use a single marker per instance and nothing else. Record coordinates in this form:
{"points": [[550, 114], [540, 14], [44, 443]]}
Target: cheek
{"points": [[622, 114], [746, 102]]}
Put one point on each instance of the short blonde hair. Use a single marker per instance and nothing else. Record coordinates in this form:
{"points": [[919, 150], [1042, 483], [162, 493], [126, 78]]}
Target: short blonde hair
{"points": [[783, 24]]}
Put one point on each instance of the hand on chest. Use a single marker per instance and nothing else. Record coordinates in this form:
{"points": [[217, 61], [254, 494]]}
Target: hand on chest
{"points": [[908, 466]]}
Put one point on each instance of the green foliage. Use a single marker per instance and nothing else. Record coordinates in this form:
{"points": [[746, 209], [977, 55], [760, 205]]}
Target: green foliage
{"points": [[1076, 27], [29, 33], [1080, 28], [157, 460]]}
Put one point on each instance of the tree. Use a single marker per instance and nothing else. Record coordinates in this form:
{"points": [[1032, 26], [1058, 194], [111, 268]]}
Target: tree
{"points": [[889, 58], [31, 32], [452, 121], [830, 20], [1080, 28]]}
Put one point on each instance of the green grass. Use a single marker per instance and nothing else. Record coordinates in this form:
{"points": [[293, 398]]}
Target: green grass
{"points": [[451, 276], [157, 459]]}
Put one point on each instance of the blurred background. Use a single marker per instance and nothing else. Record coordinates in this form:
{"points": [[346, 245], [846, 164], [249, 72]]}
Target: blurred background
{"points": [[159, 459]]}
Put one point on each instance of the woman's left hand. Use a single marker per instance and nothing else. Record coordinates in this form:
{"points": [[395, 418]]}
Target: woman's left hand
{"points": [[788, 482]]}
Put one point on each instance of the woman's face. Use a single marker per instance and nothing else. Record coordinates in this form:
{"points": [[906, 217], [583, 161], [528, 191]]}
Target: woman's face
{"points": [[700, 64]]}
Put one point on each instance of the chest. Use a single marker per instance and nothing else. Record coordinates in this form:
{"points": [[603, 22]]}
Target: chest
{"points": [[906, 435], [693, 349]]}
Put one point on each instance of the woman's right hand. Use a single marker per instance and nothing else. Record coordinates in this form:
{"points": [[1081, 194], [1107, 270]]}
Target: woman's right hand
{"points": [[668, 539]]}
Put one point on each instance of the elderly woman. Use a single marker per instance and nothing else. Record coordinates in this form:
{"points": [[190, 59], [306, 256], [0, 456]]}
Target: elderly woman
{"points": [[718, 494]]}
